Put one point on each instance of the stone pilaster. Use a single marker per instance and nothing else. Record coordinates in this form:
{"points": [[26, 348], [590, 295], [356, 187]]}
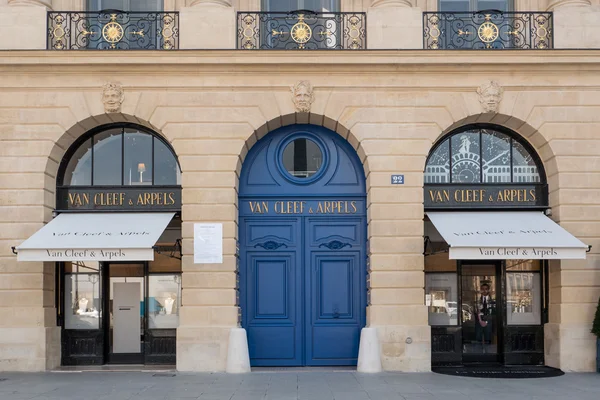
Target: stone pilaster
{"points": [[575, 24], [25, 20], [207, 24], [394, 24]]}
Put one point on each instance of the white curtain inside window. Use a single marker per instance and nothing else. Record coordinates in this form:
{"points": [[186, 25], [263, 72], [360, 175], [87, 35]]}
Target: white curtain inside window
{"points": [[125, 5], [292, 5]]}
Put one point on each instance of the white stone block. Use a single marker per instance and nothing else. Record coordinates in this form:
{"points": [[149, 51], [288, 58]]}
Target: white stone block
{"points": [[23, 28], [238, 357], [369, 352]]}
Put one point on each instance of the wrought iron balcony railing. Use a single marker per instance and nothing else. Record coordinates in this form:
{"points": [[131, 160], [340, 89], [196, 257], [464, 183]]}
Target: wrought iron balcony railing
{"points": [[113, 29], [301, 30], [489, 29]]}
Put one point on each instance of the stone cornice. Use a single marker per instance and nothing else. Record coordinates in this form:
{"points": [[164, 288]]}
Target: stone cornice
{"points": [[330, 61]]}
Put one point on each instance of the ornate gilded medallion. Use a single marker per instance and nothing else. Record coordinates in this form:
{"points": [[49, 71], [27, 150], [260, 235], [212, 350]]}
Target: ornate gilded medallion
{"points": [[488, 32], [112, 32], [301, 32]]}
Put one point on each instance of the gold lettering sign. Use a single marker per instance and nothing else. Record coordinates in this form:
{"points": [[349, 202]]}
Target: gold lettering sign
{"points": [[304, 207], [481, 196], [120, 199]]}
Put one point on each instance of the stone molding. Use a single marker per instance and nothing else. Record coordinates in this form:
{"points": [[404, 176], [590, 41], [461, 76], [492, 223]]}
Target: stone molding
{"points": [[553, 5], [41, 3], [221, 3], [391, 3]]}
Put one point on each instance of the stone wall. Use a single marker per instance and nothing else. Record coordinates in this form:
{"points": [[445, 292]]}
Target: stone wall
{"points": [[213, 106]]}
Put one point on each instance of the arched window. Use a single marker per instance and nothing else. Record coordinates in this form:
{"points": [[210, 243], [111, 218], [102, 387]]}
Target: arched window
{"points": [[483, 155], [120, 155]]}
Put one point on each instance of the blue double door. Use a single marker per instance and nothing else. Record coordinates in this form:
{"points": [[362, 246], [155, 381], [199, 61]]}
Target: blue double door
{"points": [[303, 288]]}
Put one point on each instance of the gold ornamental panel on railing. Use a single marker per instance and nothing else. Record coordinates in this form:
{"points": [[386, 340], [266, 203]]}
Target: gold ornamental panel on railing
{"points": [[301, 30], [491, 30], [113, 30]]}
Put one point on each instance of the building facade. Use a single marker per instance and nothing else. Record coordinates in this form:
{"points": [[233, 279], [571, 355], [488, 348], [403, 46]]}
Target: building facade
{"points": [[301, 175]]}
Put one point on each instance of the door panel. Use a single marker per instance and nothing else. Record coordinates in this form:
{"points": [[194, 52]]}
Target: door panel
{"points": [[273, 309], [303, 295], [126, 314]]}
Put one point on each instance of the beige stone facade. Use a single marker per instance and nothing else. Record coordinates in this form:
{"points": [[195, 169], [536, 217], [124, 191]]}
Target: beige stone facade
{"points": [[213, 105]]}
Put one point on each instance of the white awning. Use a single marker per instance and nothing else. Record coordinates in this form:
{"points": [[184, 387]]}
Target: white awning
{"points": [[96, 237], [505, 236]]}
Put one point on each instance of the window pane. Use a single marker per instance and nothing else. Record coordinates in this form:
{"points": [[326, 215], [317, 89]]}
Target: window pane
{"points": [[125, 5], [523, 300], [292, 5], [79, 169], [164, 301], [524, 167], [523, 265], [107, 157], [465, 157], [166, 170], [82, 296], [137, 158], [302, 158], [453, 5], [441, 299], [438, 165], [501, 5], [496, 157]]}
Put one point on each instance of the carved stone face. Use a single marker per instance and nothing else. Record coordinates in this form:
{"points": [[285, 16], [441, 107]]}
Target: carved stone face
{"points": [[490, 96], [302, 96], [112, 97]]}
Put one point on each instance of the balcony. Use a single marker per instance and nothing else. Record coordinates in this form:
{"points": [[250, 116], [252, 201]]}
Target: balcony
{"points": [[112, 30], [489, 29], [301, 30]]}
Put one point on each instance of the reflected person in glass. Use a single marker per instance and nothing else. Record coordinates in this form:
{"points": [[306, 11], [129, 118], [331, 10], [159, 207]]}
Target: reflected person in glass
{"points": [[485, 310]]}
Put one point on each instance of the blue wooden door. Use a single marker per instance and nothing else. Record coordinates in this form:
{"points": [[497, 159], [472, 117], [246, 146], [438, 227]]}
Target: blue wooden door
{"points": [[272, 275], [302, 232], [335, 285]]}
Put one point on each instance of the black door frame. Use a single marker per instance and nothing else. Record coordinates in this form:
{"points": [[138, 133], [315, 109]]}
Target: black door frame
{"points": [[500, 322], [124, 358]]}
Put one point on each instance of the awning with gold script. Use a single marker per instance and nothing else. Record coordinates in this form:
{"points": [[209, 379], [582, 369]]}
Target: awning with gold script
{"points": [[505, 236], [96, 237]]}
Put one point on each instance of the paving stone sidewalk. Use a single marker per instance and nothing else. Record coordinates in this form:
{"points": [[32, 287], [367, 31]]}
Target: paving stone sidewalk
{"points": [[313, 385]]}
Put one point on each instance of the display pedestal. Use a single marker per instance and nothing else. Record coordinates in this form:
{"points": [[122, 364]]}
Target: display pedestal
{"points": [[238, 358], [369, 353]]}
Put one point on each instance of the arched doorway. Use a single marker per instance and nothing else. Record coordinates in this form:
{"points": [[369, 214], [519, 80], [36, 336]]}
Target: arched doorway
{"points": [[302, 232], [116, 242], [487, 242]]}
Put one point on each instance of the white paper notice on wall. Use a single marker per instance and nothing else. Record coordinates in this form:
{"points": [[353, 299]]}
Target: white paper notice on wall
{"points": [[208, 243]]}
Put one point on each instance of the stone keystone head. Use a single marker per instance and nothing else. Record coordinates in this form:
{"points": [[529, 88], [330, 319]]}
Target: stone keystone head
{"points": [[112, 97], [490, 96], [303, 96]]}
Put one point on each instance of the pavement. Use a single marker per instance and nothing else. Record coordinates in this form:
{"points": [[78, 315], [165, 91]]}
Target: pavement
{"points": [[310, 385]]}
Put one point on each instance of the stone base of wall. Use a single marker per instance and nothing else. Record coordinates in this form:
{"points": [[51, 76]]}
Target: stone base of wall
{"points": [[202, 349], [405, 348], [29, 349], [572, 348]]}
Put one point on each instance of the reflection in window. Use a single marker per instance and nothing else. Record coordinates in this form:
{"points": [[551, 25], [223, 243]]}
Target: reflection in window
{"points": [[137, 158], [292, 5], [107, 150], [469, 156], [82, 296], [125, 5], [164, 301], [79, 169], [523, 300], [474, 5], [302, 158], [441, 298], [119, 156]]}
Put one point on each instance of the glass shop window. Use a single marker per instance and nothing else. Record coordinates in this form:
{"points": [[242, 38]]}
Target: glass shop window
{"points": [[523, 292], [82, 302], [125, 5], [122, 156], [292, 5], [441, 298]]}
